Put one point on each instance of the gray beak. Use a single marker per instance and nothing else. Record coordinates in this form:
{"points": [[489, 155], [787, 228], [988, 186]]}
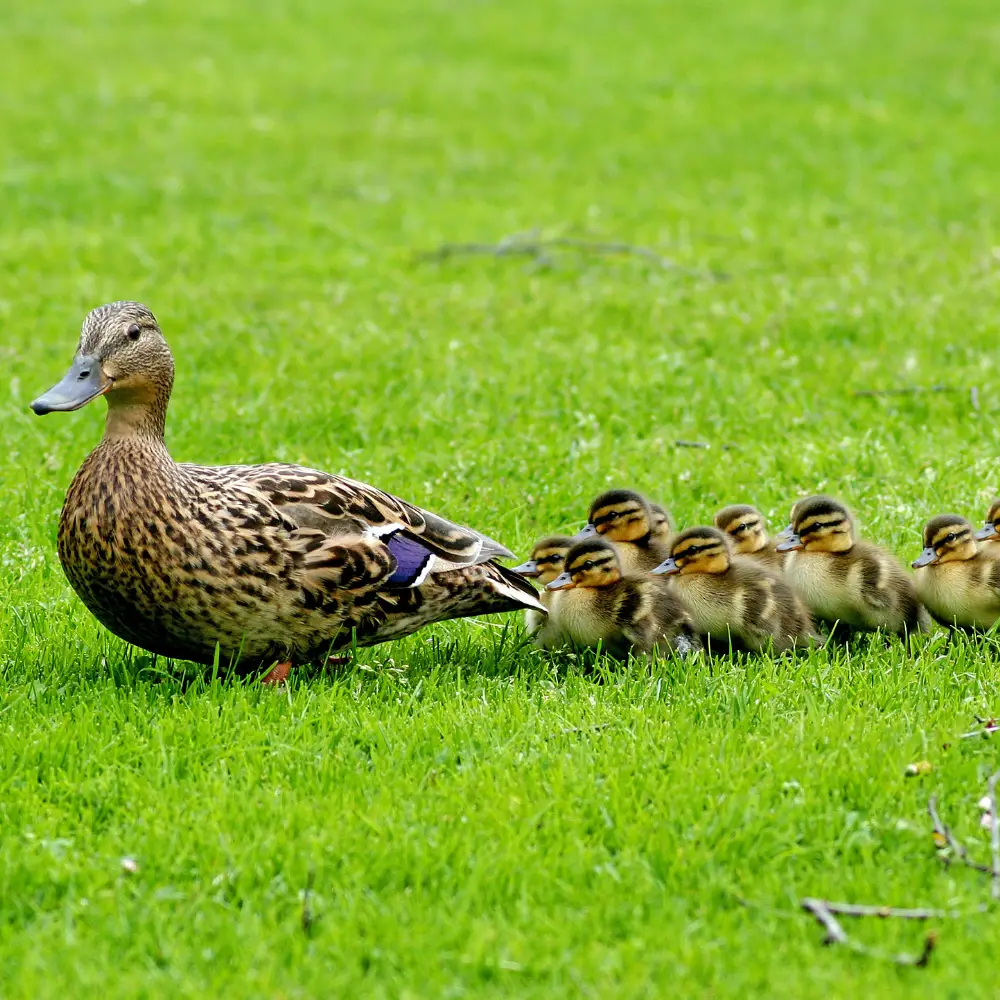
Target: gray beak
{"points": [[586, 531], [83, 382], [529, 568], [984, 534], [787, 540], [562, 581], [666, 568], [926, 557]]}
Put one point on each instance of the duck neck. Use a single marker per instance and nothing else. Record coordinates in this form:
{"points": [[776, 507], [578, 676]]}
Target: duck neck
{"points": [[136, 416]]}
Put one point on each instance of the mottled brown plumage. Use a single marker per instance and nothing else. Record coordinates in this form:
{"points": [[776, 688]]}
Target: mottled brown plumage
{"points": [[271, 562]]}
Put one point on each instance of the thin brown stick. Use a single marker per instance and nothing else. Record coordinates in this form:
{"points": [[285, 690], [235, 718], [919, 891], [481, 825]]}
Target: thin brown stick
{"points": [[530, 246], [985, 731], [835, 934], [944, 831], [995, 833], [885, 912], [905, 390]]}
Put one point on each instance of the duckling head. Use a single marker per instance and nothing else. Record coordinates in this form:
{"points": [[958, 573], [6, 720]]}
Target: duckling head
{"points": [[744, 526], [591, 562], [621, 515], [697, 550], [947, 538], [818, 524], [547, 559], [661, 526], [121, 355], [991, 531]]}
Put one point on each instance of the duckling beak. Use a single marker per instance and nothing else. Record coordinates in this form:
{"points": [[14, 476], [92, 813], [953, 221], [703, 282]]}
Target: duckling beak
{"points": [[927, 557], [586, 531], [787, 540], [83, 382], [529, 568], [562, 582], [985, 534], [666, 568]]}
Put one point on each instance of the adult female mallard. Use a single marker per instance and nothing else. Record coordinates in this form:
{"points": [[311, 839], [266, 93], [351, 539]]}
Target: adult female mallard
{"points": [[272, 564]]}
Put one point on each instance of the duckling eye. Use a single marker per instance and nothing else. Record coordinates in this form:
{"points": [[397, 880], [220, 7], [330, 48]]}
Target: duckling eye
{"points": [[950, 537], [133, 332]]}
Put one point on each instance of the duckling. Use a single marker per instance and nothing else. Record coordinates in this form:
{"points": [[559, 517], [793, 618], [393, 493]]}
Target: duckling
{"points": [[598, 604], [626, 518], [959, 584], [841, 578], [744, 527], [734, 597], [544, 565], [662, 525], [989, 535]]}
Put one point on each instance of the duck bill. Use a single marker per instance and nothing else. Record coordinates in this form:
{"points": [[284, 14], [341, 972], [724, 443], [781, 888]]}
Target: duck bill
{"points": [[83, 382], [529, 568], [925, 558], [587, 531], [788, 541], [562, 582], [666, 568], [987, 534]]}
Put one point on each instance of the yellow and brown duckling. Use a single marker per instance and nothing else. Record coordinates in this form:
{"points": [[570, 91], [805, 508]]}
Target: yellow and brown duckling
{"points": [[842, 578], [735, 598], [627, 519], [269, 564], [598, 605], [989, 535], [543, 566], [958, 583], [662, 525], [744, 526]]}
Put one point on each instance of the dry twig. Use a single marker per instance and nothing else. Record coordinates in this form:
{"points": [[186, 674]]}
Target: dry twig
{"points": [[995, 832], [885, 912], [944, 832], [905, 391], [824, 912], [530, 245]]}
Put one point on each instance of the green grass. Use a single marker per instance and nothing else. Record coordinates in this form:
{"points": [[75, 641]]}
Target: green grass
{"points": [[475, 822]]}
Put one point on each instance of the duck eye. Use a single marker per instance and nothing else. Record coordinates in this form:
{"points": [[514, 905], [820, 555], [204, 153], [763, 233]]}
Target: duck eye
{"points": [[949, 538], [133, 332]]}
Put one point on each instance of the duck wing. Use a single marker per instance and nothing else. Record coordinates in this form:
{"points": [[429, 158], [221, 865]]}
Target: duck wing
{"points": [[348, 535]]}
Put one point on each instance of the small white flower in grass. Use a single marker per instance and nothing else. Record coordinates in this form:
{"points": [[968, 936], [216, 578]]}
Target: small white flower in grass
{"points": [[985, 804], [130, 866], [987, 820]]}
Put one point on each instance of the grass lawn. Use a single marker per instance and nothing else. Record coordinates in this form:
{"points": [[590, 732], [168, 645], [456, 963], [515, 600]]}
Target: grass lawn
{"points": [[473, 819]]}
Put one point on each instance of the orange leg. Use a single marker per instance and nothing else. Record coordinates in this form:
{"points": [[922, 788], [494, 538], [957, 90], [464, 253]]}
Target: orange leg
{"points": [[278, 674]]}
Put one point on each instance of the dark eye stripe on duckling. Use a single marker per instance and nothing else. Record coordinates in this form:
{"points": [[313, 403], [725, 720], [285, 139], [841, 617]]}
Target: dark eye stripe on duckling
{"points": [[951, 534], [813, 526], [605, 517], [695, 550], [555, 557], [591, 561]]}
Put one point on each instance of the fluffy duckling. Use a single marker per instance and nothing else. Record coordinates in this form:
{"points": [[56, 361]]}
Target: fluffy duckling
{"points": [[627, 519], [989, 535], [598, 604], [959, 584], [733, 597], [544, 565], [744, 526], [662, 525], [841, 578]]}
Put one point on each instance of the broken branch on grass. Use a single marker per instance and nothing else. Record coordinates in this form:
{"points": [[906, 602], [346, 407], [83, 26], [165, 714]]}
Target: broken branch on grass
{"points": [[985, 731], [905, 391], [307, 915], [824, 912], [699, 444], [944, 832], [885, 912], [995, 832], [531, 246]]}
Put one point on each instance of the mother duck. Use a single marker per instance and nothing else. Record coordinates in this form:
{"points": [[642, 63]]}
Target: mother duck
{"points": [[272, 564]]}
